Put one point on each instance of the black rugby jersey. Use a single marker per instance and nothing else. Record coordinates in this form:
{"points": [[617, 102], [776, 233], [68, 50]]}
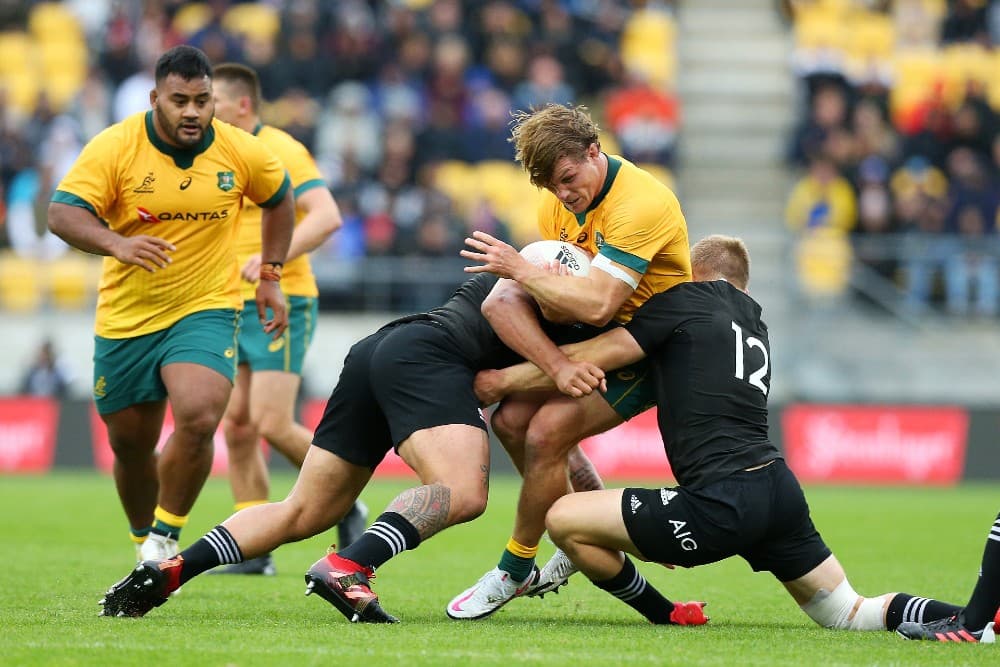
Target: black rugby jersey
{"points": [[711, 366]]}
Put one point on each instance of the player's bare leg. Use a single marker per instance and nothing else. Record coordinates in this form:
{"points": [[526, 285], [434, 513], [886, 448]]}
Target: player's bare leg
{"points": [[198, 397], [554, 430], [248, 476], [589, 527], [133, 433], [452, 463], [325, 489], [827, 597]]}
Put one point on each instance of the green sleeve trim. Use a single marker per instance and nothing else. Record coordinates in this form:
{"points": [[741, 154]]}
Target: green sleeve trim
{"points": [[63, 197], [637, 264], [279, 195], [309, 185]]}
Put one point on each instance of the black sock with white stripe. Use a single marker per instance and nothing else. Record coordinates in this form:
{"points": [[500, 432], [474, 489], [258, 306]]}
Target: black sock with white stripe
{"points": [[632, 588], [982, 605], [216, 547], [910, 608], [390, 535]]}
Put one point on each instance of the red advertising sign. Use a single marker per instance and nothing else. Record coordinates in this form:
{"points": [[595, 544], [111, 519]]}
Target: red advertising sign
{"points": [[104, 457], [876, 444], [391, 466], [28, 434], [631, 450]]}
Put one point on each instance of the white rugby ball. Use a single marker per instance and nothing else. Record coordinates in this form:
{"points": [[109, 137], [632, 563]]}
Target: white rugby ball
{"points": [[573, 257]]}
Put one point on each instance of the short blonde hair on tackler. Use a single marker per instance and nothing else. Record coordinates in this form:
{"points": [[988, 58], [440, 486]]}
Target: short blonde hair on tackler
{"points": [[543, 136], [724, 257]]}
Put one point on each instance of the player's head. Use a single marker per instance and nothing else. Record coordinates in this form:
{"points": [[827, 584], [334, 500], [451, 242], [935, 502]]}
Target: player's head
{"points": [[182, 100], [558, 146], [719, 257], [236, 89]]}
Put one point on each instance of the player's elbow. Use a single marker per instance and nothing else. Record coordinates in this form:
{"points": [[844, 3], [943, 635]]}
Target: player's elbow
{"points": [[600, 316], [56, 219]]}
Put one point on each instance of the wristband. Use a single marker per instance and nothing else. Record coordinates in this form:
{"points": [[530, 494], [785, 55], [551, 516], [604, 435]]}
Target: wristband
{"points": [[271, 271]]}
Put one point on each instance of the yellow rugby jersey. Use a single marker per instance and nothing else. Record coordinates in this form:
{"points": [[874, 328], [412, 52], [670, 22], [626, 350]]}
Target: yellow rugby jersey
{"points": [[635, 221], [137, 184], [297, 276]]}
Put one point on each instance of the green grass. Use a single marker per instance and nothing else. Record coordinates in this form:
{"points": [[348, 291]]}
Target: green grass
{"points": [[63, 542]]}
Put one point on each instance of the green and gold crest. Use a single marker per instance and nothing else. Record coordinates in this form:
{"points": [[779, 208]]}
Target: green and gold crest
{"points": [[226, 180]]}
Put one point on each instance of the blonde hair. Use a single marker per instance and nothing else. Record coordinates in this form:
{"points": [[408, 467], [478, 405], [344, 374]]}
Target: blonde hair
{"points": [[724, 257], [542, 137]]}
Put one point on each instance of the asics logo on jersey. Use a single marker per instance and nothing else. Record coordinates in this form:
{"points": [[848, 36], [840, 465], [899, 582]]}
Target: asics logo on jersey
{"points": [[146, 187], [582, 238], [666, 495], [185, 183], [634, 503]]}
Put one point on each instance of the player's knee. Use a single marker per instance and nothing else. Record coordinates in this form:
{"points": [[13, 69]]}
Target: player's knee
{"points": [[843, 609], [507, 427], [557, 520], [467, 503]]}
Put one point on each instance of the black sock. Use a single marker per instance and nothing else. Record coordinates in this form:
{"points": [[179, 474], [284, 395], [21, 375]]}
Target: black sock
{"points": [[982, 607], [390, 535], [632, 588], [216, 547], [905, 607]]}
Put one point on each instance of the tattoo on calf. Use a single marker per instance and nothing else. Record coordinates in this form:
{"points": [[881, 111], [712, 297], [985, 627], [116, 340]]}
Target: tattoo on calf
{"points": [[585, 479], [426, 507]]}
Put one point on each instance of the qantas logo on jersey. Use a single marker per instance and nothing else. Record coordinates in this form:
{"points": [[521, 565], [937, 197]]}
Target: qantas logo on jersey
{"points": [[145, 215], [146, 187]]}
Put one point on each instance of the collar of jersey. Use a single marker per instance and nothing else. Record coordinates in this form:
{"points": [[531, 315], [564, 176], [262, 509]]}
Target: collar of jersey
{"points": [[614, 164], [257, 128], [183, 157]]}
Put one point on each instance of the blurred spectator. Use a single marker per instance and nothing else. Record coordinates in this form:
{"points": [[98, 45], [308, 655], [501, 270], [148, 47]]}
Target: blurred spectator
{"points": [[825, 127], [644, 119], [47, 376], [822, 199], [545, 84]]}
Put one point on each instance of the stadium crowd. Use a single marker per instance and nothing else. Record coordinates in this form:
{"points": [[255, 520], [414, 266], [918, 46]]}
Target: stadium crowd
{"points": [[405, 104], [898, 148]]}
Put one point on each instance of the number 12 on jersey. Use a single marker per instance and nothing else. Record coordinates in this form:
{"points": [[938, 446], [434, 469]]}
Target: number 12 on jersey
{"points": [[756, 377]]}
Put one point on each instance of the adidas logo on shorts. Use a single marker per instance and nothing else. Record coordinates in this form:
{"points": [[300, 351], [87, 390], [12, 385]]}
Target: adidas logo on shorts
{"points": [[666, 495], [635, 503]]}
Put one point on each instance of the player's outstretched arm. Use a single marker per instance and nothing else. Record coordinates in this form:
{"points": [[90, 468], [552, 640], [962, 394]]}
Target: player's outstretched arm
{"points": [[612, 349], [593, 299], [81, 229]]}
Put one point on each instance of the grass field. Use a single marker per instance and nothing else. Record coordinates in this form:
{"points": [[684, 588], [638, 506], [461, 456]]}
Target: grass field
{"points": [[63, 542]]}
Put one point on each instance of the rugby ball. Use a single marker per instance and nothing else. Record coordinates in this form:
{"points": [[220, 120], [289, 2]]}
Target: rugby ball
{"points": [[573, 257]]}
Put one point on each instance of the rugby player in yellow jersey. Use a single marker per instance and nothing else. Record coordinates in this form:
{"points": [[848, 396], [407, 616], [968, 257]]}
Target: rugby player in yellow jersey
{"points": [[634, 227], [159, 195], [269, 372]]}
